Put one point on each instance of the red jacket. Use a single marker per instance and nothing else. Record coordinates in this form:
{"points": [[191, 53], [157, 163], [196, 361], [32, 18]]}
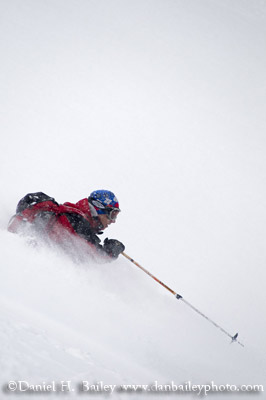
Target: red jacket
{"points": [[61, 223]]}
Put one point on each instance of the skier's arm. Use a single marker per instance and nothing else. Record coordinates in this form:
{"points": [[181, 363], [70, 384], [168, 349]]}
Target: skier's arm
{"points": [[111, 247]]}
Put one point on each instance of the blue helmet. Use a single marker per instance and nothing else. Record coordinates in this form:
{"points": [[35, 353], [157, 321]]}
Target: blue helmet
{"points": [[104, 201]]}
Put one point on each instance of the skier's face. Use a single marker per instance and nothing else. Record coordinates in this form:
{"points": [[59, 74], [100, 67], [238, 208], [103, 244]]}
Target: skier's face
{"points": [[105, 221]]}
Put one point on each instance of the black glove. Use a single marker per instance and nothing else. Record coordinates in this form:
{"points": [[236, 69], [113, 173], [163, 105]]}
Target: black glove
{"points": [[113, 247]]}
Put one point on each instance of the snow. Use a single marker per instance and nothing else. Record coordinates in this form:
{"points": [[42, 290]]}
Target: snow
{"points": [[162, 102], [66, 322]]}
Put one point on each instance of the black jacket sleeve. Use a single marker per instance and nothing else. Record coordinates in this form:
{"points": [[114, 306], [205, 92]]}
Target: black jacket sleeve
{"points": [[82, 227]]}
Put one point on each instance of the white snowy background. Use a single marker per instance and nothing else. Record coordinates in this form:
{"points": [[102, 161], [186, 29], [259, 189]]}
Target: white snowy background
{"points": [[162, 102]]}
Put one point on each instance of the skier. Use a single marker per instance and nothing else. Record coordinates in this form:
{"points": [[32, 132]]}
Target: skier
{"points": [[41, 215]]}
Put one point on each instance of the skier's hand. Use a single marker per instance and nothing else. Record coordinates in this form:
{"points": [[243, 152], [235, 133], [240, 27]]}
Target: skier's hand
{"points": [[113, 247]]}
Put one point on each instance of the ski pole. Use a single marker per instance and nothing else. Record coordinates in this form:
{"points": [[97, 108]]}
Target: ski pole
{"points": [[179, 297]]}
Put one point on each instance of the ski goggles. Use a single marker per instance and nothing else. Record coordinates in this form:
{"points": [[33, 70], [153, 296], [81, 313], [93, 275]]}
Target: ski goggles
{"points": [[112, 213]]}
